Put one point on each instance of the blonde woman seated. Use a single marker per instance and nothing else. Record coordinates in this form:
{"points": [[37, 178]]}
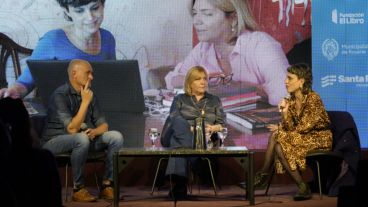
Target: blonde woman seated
{"points": [[304, 127], [196, 102]]}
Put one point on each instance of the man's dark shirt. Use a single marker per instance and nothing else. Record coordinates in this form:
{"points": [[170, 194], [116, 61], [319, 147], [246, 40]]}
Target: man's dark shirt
{"points": [[63, 106]]}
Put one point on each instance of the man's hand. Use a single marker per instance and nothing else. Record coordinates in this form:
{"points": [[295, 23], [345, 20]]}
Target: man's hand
{"points": [[86, 93], [91, 133], [2, 92], [9, 92]]}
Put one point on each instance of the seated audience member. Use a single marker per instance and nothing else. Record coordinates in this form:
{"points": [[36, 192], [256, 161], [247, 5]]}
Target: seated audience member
{"points": [[196, 102], [7, 195], [29, 175], [304, 127], [83, 38], [231, 48], [76, 124]]}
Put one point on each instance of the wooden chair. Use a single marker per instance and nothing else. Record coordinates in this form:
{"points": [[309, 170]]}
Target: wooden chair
{"points": [[10, 48]]}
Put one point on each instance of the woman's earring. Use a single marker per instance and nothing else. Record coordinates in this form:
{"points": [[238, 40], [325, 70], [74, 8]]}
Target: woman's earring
{"points": [[232, 29]]}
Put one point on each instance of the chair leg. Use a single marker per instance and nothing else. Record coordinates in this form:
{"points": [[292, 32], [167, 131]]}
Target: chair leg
{"points": [[154, 179], [270, 180], [96, 177], [319, 180], [66, 182], [190, 179], [213, 179]]}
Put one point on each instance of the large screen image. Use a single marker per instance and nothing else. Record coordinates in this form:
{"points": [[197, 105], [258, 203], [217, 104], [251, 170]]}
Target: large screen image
{"points": [[168, 37]]}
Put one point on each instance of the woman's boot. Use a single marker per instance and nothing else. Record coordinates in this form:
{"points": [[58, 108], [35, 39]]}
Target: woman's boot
{"points": [[304, 192], [261, 180]]}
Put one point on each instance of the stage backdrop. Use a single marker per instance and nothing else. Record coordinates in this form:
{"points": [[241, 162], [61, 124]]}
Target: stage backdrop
{"points": [[160, 35], [340, 57]]}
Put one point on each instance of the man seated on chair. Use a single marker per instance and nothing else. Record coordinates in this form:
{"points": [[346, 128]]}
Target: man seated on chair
{"points": [[76, 124]]}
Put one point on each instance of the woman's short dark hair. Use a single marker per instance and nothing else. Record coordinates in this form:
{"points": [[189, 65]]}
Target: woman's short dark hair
{"points": [[302, 70], [75, 3]]}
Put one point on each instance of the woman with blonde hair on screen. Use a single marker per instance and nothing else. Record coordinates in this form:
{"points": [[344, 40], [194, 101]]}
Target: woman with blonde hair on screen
{"points": [[231, 48]]}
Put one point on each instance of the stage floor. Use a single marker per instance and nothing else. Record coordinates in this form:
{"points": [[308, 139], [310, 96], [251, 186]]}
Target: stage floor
{"points": [[230, 195]]}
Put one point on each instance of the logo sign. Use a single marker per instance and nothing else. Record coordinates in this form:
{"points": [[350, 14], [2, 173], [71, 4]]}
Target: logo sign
{"points": [[334, 16], [330, 49], [356, 80], [328, 80], [347, 18]]}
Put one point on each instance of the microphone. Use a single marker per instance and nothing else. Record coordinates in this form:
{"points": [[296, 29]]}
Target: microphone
{"points": [[83, 127], [281, 108], [287, 98]]}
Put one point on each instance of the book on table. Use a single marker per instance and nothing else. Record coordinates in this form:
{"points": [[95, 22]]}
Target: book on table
{"points": [[240, 128], [255, 118], [30, 109]]}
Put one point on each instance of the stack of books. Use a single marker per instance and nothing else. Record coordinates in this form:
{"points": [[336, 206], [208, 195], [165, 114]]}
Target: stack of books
{"points": [[168, 98], [236, 96], [30, 109], [255, 118]]}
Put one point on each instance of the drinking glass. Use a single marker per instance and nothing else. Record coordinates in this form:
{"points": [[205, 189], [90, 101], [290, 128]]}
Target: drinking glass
{"points": [[222, 135], [153, 135]]}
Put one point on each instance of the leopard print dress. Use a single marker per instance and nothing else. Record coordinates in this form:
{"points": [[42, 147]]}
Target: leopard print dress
{"points": [[303, 132]]}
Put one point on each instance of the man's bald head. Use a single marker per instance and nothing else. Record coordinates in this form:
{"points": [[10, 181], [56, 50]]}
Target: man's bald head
{"points": [[77, 64], [80, 73]]}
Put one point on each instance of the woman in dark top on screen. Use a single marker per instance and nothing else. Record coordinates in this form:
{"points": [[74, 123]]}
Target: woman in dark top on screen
{"points": [[196, 102]]}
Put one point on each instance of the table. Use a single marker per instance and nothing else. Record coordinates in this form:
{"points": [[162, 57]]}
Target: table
{"points": [[243, 155]]}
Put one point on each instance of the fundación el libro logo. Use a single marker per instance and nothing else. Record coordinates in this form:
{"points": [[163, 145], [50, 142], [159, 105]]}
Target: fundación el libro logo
{"points": [[347, 17]]}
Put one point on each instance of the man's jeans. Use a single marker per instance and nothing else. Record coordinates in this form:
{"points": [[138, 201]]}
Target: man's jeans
{"points": [[79, 145]]}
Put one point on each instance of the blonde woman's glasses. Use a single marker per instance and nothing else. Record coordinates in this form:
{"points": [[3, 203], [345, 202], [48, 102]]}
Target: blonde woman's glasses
{"points": [[220, 79]]}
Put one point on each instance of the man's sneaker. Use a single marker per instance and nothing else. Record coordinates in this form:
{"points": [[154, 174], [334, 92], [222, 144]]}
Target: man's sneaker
{"points": [[107, 193], [82, 195]]}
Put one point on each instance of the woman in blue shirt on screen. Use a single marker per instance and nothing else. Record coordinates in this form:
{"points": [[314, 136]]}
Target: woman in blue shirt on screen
{"points": [[82, 39]]}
